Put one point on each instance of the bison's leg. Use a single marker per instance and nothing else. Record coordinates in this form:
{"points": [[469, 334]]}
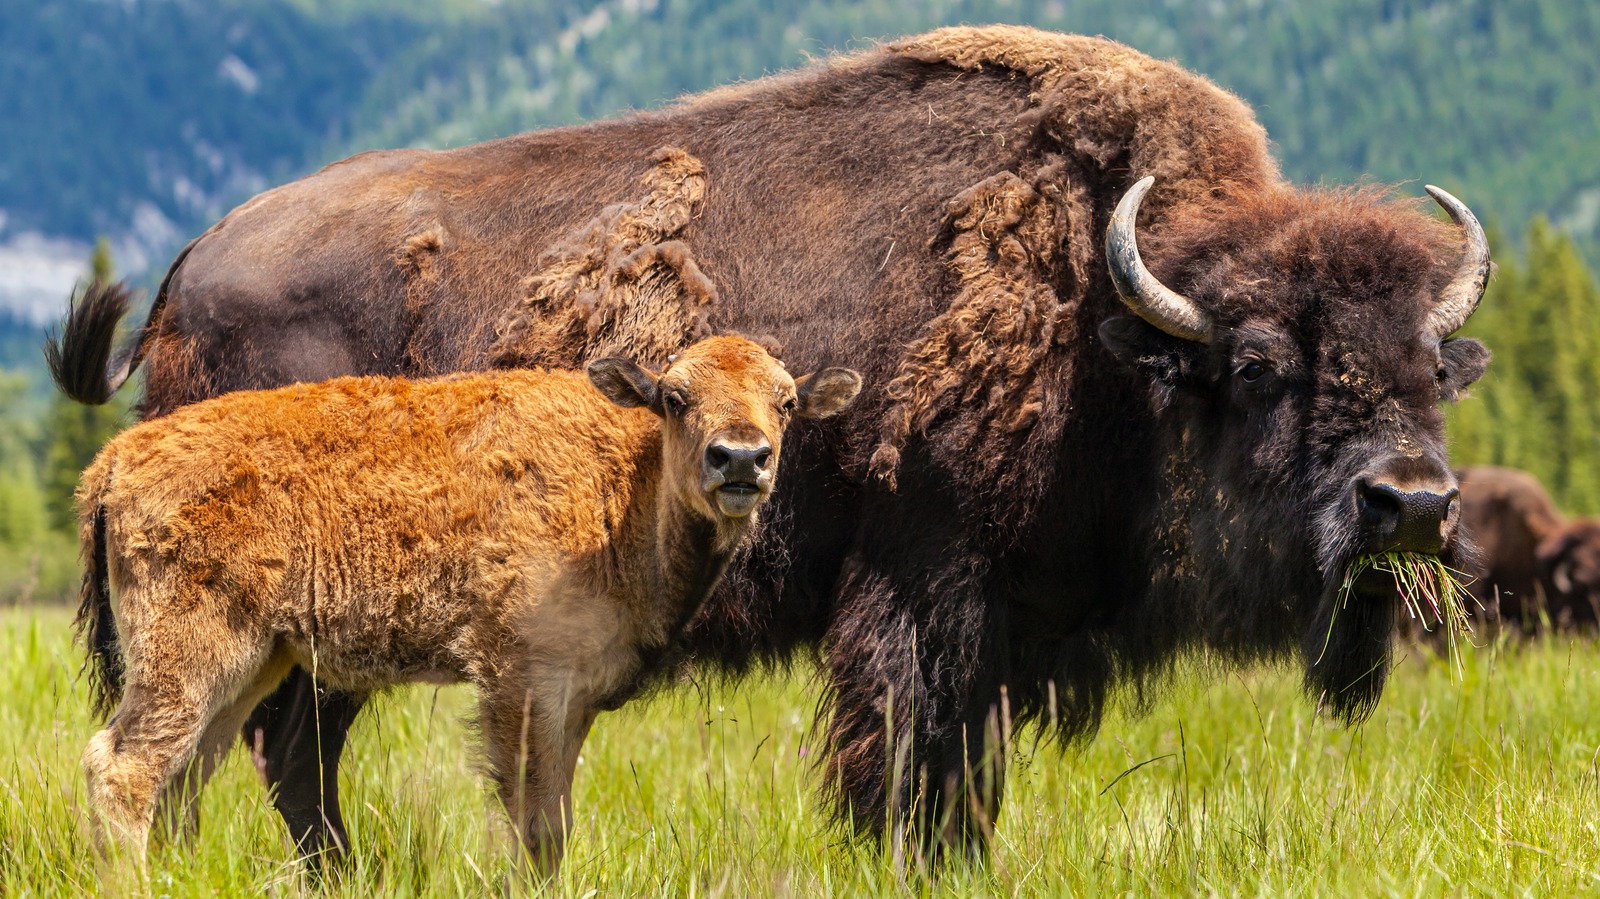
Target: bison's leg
{"points": [[965, 768], [916, 656], [532, 744], [129, 763], [297, 735]]}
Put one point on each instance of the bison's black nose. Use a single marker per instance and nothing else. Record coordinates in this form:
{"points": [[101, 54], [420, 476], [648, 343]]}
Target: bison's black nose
{"points": [[1415, 520], [738, 464]]}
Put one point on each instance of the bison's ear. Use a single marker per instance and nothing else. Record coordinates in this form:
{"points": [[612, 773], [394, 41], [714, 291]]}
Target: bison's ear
{"points": [[1462, 361], [1136, 343], [624, 383], [826, 392]]}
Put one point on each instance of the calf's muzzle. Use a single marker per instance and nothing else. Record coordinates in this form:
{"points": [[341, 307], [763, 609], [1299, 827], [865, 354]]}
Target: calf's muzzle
{"points": [[738, 463], [737, 473]]}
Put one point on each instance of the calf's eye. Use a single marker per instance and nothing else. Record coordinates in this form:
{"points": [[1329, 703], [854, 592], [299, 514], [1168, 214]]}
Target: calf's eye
{"points": [[789, 405], [676, 403]]}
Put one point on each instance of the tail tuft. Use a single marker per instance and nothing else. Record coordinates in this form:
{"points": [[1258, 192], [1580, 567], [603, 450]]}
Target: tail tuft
{"points": [[97, 626], [80, 355]]}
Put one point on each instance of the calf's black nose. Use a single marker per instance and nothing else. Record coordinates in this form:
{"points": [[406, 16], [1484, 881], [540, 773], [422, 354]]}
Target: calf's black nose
{"points": [[738, 463], [1394, 519]]}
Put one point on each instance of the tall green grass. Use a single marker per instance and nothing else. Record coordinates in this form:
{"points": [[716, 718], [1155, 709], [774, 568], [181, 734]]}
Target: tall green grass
{"points": [[1478, 783]]}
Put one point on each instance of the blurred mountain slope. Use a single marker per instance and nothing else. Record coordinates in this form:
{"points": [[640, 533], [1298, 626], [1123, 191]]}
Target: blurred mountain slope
{"points": [[145, 120]]}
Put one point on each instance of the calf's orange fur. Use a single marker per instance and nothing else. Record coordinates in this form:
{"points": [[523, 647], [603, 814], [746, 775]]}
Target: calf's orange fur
{"points": [[519, 531]]}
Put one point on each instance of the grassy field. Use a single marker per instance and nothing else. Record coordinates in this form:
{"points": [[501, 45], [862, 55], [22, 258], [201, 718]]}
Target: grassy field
{"points": [[1484, 783]]}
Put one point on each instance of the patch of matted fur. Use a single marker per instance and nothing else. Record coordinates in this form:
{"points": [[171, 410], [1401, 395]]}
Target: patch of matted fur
{"points": [[620, 285], [418, 258], [174, 373], [983, 354]]}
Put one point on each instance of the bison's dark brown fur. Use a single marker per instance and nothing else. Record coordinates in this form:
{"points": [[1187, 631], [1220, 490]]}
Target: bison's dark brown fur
{"points": [[1042, 497]]}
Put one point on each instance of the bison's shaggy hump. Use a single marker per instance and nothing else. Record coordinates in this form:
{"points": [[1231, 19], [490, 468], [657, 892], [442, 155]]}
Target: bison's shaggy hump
{"points": [[619, 285], [1101, 107]]}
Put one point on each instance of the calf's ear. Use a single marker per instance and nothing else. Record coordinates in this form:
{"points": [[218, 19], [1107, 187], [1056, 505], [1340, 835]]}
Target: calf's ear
{"points": [[1137, 344], [625, 383], [826, 392]]}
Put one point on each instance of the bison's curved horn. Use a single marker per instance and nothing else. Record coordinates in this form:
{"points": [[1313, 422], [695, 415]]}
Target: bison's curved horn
{"points": [[1155, 302], [1461, 297]]}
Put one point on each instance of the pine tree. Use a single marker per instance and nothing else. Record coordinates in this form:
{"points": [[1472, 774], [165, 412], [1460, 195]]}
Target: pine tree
{"points": [[1538, 408], [21, 501], [75, 432]]}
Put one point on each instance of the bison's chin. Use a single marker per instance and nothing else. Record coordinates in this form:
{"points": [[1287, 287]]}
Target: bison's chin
{"points": [[1348, 650]]}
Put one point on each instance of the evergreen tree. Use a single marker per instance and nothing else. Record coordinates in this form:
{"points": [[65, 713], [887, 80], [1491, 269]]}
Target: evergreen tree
{"points": [[21, 501], [1538, 408], [75, 432]]}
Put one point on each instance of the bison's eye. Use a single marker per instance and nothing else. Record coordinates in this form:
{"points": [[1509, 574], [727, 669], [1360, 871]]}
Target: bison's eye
{"points": [[789, 405], [1440, 375], [676, 402], [1252, 371]]}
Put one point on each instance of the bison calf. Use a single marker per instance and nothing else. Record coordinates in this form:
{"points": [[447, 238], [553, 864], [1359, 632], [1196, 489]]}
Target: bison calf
{"points": [[517, 531]]}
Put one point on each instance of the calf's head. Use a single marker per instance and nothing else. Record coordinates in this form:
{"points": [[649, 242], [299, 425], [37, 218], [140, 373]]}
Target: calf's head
{"points": [[1299, 349], [724, 402]]}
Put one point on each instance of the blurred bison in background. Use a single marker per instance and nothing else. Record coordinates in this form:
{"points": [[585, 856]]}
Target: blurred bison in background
{"points": [[1077, 464], [1507, 514], [1569, 573], [1533, 567]]}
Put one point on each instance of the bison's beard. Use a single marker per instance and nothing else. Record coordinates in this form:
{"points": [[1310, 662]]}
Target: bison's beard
{"points": [[1351, 643]]}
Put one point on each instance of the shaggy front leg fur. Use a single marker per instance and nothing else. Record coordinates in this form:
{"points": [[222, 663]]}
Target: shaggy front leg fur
{"points": [[917, 731]]}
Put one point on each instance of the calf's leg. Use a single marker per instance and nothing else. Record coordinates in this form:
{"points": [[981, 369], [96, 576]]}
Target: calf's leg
{"points": [[179, 808], [532, 752], [130, 762], [183, 669]]}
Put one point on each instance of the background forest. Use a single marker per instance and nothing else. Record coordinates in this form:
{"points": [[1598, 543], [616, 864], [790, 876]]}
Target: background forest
{"points": [[142, 121]]}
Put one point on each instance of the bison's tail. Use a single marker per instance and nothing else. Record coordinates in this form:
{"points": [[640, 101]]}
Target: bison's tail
{"points": [[97, 624], [81, 356]]}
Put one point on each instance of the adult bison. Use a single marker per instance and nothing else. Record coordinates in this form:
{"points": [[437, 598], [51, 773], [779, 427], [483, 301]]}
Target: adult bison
{"points": [[1040, 500], [1507, 513]]}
